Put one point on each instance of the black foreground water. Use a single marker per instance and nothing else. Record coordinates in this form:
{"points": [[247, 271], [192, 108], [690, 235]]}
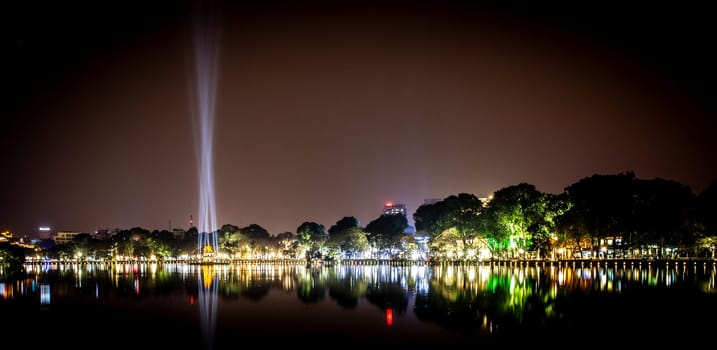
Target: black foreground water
{"points": [[164, 306]]}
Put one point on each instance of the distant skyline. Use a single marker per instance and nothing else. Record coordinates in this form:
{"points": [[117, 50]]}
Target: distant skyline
{"points": [[330, 109]]}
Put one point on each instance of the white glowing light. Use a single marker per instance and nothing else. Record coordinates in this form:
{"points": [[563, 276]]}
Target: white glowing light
{"points": [[206, 56]]}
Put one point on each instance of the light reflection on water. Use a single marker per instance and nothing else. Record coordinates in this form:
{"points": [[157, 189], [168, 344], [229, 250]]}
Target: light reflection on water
{"points": [[450, 303], [207, 284]]}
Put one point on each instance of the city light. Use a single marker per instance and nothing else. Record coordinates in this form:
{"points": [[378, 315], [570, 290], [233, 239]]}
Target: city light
{"points": [[206, 65]]}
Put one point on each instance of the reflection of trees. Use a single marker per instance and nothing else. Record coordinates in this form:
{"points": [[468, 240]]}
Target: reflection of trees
{"points": [[452, 301], [384, 286], [252, 282], [254, 291], [484, 299], [388, 295], [348, 289], [495, 299], [311, 286], [516, 301], [459, 313]]}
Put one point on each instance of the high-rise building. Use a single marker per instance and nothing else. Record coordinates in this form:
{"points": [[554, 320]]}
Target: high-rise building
{"points": [[391, 208], [64, 237]]}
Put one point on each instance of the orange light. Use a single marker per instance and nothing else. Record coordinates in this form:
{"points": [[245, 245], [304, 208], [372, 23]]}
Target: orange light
{"points": [[389, 317], [389, 204]]}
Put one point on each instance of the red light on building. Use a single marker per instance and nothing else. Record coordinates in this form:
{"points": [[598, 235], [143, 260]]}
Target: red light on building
{"points": [[389, 204], [389, 317]]}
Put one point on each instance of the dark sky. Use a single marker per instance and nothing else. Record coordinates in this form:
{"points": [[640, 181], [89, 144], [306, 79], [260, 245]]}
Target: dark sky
{"points": [[327, 110]]}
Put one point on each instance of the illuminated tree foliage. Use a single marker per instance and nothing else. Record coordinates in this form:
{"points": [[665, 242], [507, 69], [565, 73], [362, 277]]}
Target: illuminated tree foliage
{"points": [[386, 231], [351, 242], [707, 217], [546, 211], [426, 219], [454, 220], [13, 256], [515, 218], [286, 244], [461, 213], [229, 240], [132, 242], [572, 232], [347, 289], [707, 209], [256, 240], [602, 206], [663, 214], [312, 238], [601, 216], [346, 222]]}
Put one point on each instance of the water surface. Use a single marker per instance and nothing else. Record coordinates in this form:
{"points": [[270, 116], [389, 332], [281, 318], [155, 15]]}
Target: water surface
{"points": [[230, 306]]}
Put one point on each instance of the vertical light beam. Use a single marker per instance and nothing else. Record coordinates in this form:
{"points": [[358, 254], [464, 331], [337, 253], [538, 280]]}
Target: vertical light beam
{"points": [[206, 71]]}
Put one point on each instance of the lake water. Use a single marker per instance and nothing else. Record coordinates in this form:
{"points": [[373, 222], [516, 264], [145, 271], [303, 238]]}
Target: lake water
{"points": [[164, 306]]}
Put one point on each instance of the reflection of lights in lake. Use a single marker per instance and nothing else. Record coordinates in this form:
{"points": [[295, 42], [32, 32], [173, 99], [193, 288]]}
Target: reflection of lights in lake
{"points": [[208, 292], [45, 294], [389, 317]]}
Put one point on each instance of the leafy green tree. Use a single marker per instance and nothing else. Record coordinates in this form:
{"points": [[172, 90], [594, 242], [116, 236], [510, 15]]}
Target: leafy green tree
{"points": [[12, 255], [258, 239], [458, 213], [229, 228], [427, 219], [317, 231], [123, 243], [86, 245], [163, 236], [603, 205], [304, 243], [572, 232], [663, 212], [286, 243], [351, 242], [707, 216], [135, 242], [385, 232], [187, 244], [409, 246], [346, 222], [514, 215], [83, 243], [461, 213], [255, 231], [312, 237], [544, 227], [228, 241], [164, 243]]}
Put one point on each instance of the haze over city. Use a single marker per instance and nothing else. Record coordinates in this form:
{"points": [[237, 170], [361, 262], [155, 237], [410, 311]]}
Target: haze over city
{"points": [[329, 110]]}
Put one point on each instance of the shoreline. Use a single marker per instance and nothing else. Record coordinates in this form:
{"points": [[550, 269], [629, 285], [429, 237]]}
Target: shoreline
{"points": [[369, 262]]}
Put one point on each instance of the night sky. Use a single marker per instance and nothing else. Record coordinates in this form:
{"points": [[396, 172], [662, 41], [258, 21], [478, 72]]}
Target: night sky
{"points": [[326, 110]]}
